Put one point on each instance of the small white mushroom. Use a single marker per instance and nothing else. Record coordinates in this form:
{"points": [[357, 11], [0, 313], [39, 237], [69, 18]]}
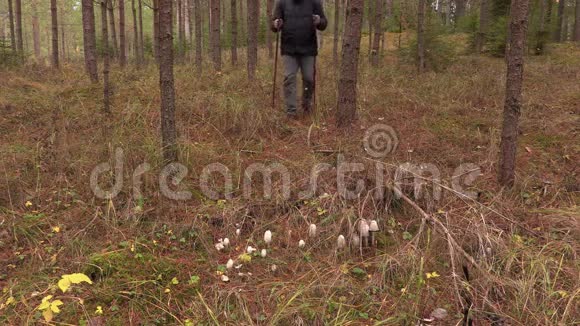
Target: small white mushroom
{"points": [[263, 253], [340, 242], [219, 246], [273, 268], [225, 278], [312, 230], [250, 249], [355, 240], [374, 227], [268, 237], [226, 242], [301, 244], [238, 231], [230, 264]]}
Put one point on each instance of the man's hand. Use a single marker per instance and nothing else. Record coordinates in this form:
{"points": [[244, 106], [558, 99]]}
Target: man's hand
{"points": [[278, 24], [316, 20]]}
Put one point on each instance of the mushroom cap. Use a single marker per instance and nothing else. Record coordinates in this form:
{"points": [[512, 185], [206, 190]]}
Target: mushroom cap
{"points": [[312, 230], [374, 226], [301, 243], [230, 264], [263, 253], [268, 236], [340, 242], [363, 228]]}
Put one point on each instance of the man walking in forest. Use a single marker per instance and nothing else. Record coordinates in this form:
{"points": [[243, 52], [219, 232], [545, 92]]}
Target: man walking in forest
{"points": [[298, 21]]}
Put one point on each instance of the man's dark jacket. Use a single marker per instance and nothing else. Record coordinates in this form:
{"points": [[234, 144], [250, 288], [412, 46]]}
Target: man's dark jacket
{"points": [[298, 30]]}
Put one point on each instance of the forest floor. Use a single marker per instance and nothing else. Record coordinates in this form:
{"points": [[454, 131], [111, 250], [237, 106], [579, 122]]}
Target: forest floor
{"points": [[152, 260]]}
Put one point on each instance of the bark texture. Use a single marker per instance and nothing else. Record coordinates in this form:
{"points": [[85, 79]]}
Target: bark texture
{"points": [[89, 40], [252, 48], [216, 49], [234, 26], [106, 57], [347, 83], [54, 26], [166, 82], [122, 34], [513, 97], [421, 64]]}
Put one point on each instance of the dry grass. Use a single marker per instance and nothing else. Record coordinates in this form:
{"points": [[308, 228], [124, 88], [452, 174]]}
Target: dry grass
{"points": [[525, 240]]}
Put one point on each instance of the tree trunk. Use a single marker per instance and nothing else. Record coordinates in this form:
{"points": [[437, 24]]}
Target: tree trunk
{"points": [[181, 27], [35, 29], [336, 31], [12, 32], [190, 22], [513, 97], [166, 82], [421, 37], [198, 35], [216, 54], [54, 23], [577, 22], [371, 22], [156, 29], [378, 19], [252, 48], [62, 39], [19, 39], [89, 40], [269, 8], [135, 32], [459, 10], [483, 25], [106, 57], [122, 43], [541, 36], [234, 43], [112, 28], [560, 21], [347, 83], [141, 40], [243, 34]]}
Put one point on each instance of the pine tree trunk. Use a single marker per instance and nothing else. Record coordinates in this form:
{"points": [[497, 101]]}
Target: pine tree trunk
{"points": [[135, 32], [269, 8], [141, 39], [106, 56], [216, 54], [577, 22], [513, 97], [483, 25], [122, 34], [252, 48], [166, 82], [35, 29], [541, 36], [54, 24], [378, 19], [190, 22], [234, 43], [181, 26], [347, 83], [89, 40], [12, 31], [112, 28], [198, 35], [459, 10], [19, 39], [560, 21], [370, 22], [421, 37], [156, 29], [62, 39], [243, 25], [336, 31]]}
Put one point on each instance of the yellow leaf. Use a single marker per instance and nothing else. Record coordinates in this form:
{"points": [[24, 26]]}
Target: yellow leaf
{"points": [[45, 304], [76, 278], [54, 306], [10, 301], [28, 204], [245, 258], [432, 275], [56, 229], [174, 281], [99, 310], [47, 314], [64, 284], [167, 290]]}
